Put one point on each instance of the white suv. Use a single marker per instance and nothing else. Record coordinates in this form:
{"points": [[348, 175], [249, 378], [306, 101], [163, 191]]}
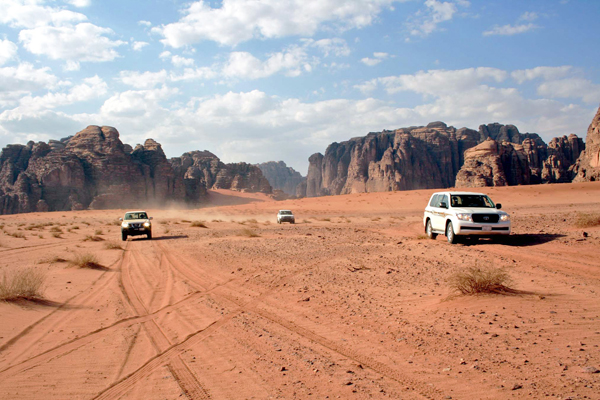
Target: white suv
{"points": [[461, 214], [285, 216]]}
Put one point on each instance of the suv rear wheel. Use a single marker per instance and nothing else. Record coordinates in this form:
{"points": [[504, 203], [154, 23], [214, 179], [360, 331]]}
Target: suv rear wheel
{"points": [[429, 230]]}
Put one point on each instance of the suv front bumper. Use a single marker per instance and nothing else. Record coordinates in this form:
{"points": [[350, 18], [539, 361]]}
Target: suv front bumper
{"points": [[473, 228]]}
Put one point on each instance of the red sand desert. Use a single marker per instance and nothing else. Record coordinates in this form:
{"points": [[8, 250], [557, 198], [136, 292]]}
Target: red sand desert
{"points": [[351, 302]]}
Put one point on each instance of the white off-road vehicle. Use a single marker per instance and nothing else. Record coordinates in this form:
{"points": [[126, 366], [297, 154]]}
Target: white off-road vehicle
{"points": [[136, 223], [464, 214], [285, 216]]}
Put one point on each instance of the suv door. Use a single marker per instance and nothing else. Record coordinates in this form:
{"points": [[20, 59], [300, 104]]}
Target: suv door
{"points": [[438, 219]]}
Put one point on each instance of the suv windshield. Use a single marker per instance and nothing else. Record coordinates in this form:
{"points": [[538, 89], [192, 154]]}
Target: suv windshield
{"points": [[471, 200], [136, 216], [285, 212]]}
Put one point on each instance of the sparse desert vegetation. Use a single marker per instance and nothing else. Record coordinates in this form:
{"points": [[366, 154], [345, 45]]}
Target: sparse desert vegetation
{"points": [[198, 224], [94, 238], [86, 260], [110, 245], [249, 233], [587, 220], [480, 280], [22, 284]]}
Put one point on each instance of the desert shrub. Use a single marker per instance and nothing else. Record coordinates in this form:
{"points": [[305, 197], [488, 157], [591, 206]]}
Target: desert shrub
{"points": [[56, 229], [86, 260], [325, 219], [89, 238], [98, 232], [252, 221], [185, 221], [248, 233], [305, 221], [112, 246], [27, 284], [587, 220], [476, 280], [56, 234], [217, 220], [52, 260], [18, 235], [198, 224], [75, 227]]}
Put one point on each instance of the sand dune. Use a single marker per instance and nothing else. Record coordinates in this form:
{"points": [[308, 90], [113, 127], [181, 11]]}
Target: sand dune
{"points": [[352, 301]]}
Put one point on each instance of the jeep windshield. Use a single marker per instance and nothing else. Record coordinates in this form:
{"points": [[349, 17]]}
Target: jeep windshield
{"points": [[471, 200], [285, 212]]}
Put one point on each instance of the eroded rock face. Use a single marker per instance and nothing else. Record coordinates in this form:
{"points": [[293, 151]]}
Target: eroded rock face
{"points": [[281, 177], [407, 158], [587, 167], [202, 170]]}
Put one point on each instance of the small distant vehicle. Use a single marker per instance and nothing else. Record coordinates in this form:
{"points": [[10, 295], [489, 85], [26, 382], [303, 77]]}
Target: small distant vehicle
{"points": [[136, 223], [464, 214], [285, 216]]}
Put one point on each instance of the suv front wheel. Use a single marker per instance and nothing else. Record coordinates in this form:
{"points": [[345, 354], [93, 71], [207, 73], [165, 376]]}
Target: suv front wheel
{"points": [[452, 239]]}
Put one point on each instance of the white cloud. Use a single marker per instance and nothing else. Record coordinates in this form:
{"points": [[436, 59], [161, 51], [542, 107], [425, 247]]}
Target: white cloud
{"points": [[292, 62], [8, 51], [165, 55], [179, 61], [28, 14], [528, 16], [145, 23], [143, 80], [379, 57], [237, 21], [192, 74], [426, 22], [138, 46], [334, 46], [546, 73], [90, 89], [577, 88], [137, 103], [509, 30], [82, 42], [71, 65], [25, 77], [80, 3]]}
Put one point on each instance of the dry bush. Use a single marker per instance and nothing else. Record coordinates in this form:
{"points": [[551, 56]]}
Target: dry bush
{"points": [[217, 220], [18, 235], [185, 221], [112, 246], [252, 221], [52, 260], [75, 227], [477, 280], [248, 233], [56, 229], [86, 260], [98, 232], [25, 284], [89, 238], [325, 219], [587, 220], [56, 235], [198, 224]]}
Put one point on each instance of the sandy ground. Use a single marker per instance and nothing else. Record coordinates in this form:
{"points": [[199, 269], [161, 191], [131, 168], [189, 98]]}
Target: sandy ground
{"points": [[351, 302]]}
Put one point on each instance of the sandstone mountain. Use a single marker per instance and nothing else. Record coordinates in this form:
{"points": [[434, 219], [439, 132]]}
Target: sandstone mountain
{"points": [[281, 177], [587, 167], [94, 169], [432, 156]]}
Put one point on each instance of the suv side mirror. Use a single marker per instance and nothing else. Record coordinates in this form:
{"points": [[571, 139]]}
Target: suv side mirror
{"points": [[150, 218], [498, 206], [443, 204], [120, 219]]}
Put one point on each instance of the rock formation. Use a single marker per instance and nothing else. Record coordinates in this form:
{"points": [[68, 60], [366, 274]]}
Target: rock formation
{"points": [[438, 156], [94, 169], [587, 167], [281, 177]]}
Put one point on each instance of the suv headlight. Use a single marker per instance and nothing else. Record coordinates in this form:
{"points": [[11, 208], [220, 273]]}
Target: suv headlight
{"points": [[464, 217], [147, 224], [504, 217], [124, 225]]}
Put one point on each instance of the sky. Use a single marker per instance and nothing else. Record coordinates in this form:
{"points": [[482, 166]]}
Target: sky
{"points": [[270, 80]]}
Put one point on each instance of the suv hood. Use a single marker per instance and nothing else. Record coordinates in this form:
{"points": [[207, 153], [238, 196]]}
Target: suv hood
{"points": [[136, 221], [477, 210]]}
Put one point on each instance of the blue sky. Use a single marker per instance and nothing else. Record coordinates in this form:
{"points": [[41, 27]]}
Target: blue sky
{"points": [[270, 80]]}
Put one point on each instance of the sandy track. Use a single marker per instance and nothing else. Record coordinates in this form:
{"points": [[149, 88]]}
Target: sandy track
{"points": [[346, 305]]}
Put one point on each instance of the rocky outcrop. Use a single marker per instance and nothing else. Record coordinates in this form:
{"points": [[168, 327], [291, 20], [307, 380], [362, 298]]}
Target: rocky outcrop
{"points": [[439, 156], [587, 167], [203, 170], [94, 169], [407, 158], [281, 177], [494, 163]]}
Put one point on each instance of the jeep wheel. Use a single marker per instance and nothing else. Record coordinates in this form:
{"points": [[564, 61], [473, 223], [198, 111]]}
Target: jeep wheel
{"points": [[149, 235], [429, 230], [124, 236], [452, 239]]}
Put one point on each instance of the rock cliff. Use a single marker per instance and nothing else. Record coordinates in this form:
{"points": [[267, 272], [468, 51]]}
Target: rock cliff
{"points": [[94, 169], [439, 156], [587, 167], [281, 177]]}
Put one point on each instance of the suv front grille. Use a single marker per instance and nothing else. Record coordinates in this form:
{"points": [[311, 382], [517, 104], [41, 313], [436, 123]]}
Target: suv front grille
{"points": [[486, 218]]}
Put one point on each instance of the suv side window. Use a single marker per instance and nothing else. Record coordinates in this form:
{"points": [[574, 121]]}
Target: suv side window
{"points": [[443, 198], [433, 202]]}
